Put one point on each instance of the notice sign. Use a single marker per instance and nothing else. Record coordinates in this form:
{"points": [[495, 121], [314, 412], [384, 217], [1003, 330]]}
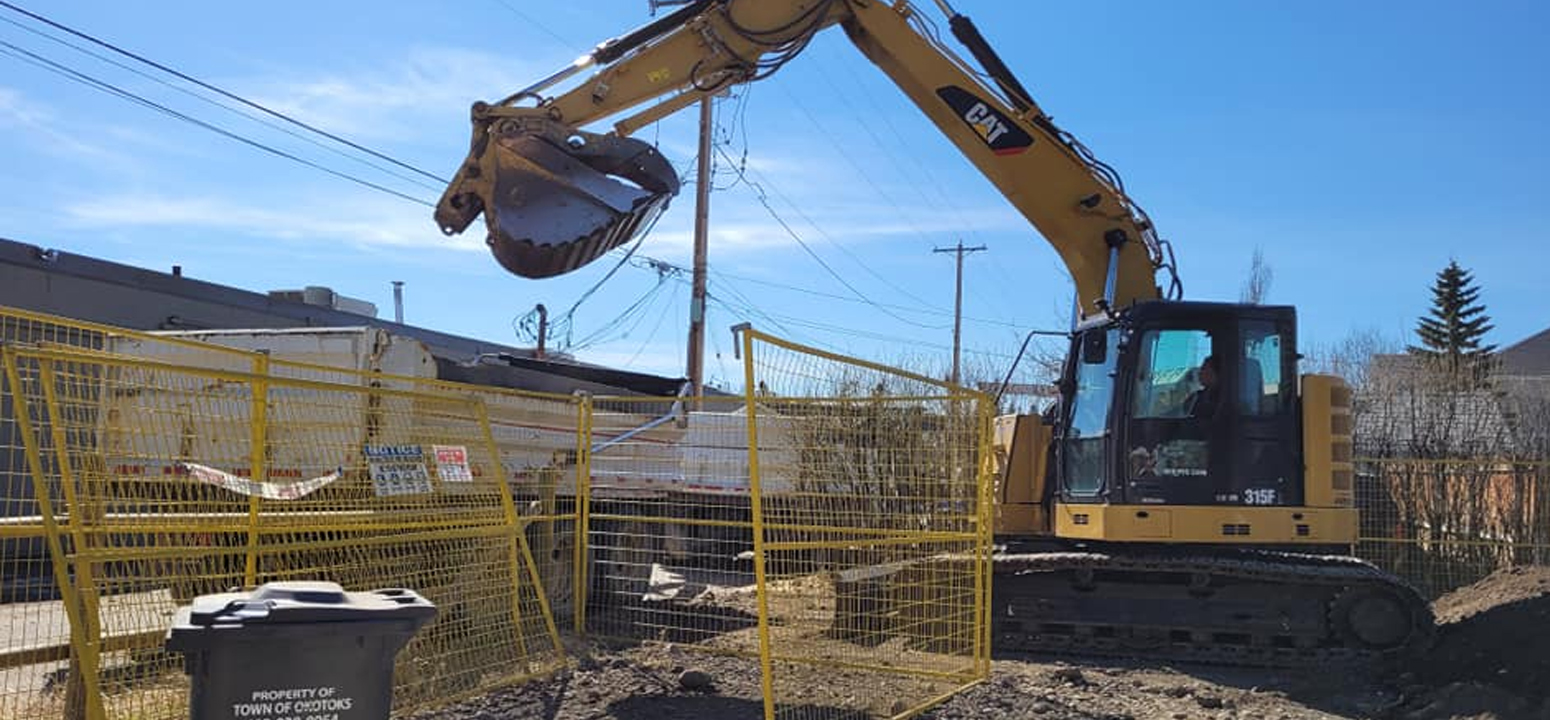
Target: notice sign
{"points": [[306, 703], [452, 463], [398, 470]]}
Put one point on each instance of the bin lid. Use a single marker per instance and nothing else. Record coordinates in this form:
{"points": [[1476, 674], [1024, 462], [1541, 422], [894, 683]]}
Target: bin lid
{"points": [[304, 602]]}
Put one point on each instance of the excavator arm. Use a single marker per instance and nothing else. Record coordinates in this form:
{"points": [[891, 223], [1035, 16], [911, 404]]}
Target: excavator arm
{"points": [[1268, 470], [556, 196]]}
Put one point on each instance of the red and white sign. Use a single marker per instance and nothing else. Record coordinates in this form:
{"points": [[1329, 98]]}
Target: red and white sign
{"points": [[452, 463]]}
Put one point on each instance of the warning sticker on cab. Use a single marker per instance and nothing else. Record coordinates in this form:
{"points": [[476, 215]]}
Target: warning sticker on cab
{"points": [[398, 470], [452, 463]]}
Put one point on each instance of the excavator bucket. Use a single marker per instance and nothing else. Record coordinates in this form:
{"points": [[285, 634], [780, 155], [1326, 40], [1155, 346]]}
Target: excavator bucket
{"points": [[554, 202]]}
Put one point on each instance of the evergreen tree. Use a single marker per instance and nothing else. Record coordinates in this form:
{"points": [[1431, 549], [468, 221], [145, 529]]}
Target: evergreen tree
{"points": [[1451, 336]]}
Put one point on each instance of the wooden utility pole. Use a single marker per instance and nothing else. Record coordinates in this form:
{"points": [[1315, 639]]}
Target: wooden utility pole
{"points": [[701, 233], [960, 251]]}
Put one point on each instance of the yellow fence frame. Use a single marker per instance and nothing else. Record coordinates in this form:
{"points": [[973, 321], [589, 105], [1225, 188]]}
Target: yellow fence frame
{"points": [[263, 372], [79, 594], [981, 536]]}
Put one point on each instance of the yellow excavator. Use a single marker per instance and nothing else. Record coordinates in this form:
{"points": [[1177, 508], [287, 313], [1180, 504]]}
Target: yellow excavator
{"points": [[1189, 495]]}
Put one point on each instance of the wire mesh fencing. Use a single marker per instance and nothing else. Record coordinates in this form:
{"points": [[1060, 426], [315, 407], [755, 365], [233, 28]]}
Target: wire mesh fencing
{"points": [[1446, 523], [849, 574], [872, 522], [159, 482], [537, 433], [669, 523], [36, 648]]}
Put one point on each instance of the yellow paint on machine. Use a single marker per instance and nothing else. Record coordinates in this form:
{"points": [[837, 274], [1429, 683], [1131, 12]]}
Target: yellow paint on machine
{"points": [[1207, 524]]}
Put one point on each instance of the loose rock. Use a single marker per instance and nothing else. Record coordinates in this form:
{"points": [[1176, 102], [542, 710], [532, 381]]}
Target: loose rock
{"points": [[695, 681]]}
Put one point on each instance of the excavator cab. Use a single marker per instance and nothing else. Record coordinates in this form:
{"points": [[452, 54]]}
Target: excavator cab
{"points": [[1183, 403]]}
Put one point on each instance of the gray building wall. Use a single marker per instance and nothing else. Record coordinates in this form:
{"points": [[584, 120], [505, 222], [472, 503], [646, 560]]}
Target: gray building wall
{"points": [[85, 288]]}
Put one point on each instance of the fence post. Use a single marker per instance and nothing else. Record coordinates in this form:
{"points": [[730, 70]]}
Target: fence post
{"points": [[582, 576], [80, 600], [518, 548], [82, 672], [513, 523], [766, 665], [985, 516], [258, 461]]}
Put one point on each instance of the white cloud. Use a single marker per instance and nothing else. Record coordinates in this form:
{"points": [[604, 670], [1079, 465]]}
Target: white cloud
{"points": [[741, 225], [37, 119], [394, 101], [364, 222]]}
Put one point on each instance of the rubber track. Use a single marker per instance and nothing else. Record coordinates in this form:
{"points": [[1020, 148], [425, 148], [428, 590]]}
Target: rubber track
{"points": [[1272, 569]]}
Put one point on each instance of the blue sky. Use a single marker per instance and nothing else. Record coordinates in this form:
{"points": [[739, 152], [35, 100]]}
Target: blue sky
{"points": [[1359, 146]]}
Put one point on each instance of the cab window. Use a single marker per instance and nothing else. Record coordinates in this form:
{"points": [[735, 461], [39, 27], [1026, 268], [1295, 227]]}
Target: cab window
{"points": [[1260, 387], [1087, 437], [1168, 382]]}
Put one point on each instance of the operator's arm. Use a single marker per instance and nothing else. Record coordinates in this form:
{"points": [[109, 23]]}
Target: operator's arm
{"points": [[708, 45]]}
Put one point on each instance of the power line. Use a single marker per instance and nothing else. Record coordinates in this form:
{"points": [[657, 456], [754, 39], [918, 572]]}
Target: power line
{"points": [[212, 88], [672, 301], [529, 19], [881, 115], [650, 262], [758, 191], [752, 307], [862, 172], [843, 298], [746, 306], [741, 169], [752, 311], [569, 315], [940, 199], [600, 335], [853, 332], [110, 88], [210, 101], [107, 87]]}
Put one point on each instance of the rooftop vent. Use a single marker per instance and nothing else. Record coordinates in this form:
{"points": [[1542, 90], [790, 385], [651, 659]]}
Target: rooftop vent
{"points": [[325, 297]]}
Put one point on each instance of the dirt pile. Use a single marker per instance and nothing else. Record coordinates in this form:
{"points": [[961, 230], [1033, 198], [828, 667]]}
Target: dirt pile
{"points": [[1496, 631], [1472, 701], [1491, 659]]}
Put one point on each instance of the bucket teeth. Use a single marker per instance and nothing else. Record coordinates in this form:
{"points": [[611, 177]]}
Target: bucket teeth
{"points": [[553, 206]]}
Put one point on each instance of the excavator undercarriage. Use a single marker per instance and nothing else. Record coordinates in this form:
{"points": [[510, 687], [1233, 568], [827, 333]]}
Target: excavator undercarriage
{"points": [[1241, 607]]}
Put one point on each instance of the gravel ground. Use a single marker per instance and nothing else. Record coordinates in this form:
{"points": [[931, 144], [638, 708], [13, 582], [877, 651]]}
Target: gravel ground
{"points": [[658, 682], [1491, 662]]}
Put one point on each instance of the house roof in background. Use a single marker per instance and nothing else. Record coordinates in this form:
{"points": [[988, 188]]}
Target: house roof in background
{"points": [[1530, 356]]}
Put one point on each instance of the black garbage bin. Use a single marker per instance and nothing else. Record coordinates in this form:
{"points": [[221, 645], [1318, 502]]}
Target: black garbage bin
{"points": [[295, 651]]}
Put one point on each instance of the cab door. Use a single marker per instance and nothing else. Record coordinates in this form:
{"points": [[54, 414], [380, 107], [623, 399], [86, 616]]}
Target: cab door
{"points": [[1173, 450], [1266, 467]]}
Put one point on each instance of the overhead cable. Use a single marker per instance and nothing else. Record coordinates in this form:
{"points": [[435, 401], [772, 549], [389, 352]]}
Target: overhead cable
{"points": [[211, 101], [212, 88], [759, 194], [107, 87]]}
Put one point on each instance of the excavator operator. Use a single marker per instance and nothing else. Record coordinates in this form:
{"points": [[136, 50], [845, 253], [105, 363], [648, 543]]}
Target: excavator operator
{"points": [[1202, 402]]}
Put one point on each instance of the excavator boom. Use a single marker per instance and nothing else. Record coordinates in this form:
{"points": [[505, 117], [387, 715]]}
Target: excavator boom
{"points": [[556, 197]]}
